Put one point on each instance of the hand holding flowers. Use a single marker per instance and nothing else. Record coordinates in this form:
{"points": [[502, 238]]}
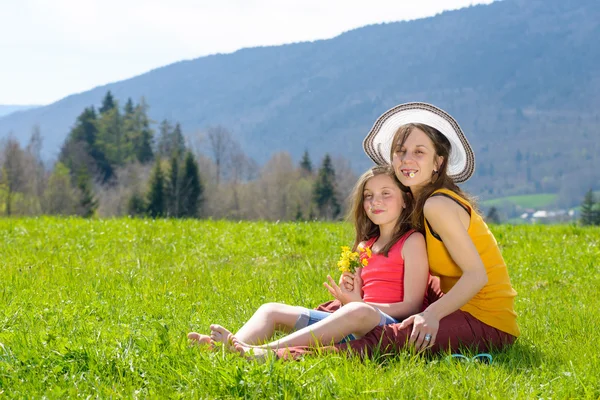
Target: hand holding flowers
{"points": [[350, 264]]}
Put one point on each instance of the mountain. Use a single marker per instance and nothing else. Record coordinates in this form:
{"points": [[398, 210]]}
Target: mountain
{"points": [[522, 77], [8, 109]]}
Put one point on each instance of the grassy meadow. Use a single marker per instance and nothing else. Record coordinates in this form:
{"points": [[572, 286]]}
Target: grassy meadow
{"points": [[101, 308], [535, 201]]}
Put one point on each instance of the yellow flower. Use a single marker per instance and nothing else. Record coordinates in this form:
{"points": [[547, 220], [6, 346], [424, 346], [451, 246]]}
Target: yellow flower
{"points": [[350, 260]]}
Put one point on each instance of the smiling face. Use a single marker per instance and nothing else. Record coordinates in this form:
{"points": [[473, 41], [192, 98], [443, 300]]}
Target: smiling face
{"points": [[383, 201], [414, 160]]}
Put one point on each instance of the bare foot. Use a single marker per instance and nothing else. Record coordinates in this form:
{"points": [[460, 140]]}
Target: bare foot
{"points": [[250, 352], [198, 338], [220, 334]]}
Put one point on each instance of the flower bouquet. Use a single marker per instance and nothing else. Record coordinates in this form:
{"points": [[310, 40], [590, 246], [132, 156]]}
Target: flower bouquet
{"points": [[350, 260]]}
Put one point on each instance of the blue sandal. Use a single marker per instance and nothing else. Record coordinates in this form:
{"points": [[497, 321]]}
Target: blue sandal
{"points": [[483, 358]]}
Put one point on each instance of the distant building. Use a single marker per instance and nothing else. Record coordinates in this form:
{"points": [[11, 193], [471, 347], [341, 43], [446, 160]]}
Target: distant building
{"points": [[549, 216]]}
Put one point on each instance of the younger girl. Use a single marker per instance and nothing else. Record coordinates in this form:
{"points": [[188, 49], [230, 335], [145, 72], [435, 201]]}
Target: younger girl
{"points": [[390, 288]]}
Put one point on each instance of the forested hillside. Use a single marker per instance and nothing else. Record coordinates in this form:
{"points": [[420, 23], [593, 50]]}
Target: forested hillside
{"points": [[521, 76]]}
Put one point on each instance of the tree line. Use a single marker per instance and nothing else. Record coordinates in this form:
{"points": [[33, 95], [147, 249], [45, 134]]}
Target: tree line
{"points": [[114, 163]]}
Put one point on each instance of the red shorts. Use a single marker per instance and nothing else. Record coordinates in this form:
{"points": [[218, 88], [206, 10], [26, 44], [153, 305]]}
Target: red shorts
{"points": [[457, 331]]}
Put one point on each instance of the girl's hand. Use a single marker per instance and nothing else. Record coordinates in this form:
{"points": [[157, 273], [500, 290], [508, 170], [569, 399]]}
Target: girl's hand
{"points": [[425, 326], [347, 281], [341, 293]]}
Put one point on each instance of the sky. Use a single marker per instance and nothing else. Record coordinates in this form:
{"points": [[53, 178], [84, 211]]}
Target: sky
{"points": [[51, 49]]}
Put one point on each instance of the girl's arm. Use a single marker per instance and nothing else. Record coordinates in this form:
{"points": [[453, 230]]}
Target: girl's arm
{"points": [[451, 223], [416, 270]]}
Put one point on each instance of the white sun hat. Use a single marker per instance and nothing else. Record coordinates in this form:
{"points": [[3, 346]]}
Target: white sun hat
{"points": [[378, 143]]}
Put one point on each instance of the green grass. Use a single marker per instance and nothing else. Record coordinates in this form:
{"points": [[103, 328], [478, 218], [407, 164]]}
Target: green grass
{"points": [[101, 309], [535, 201]]}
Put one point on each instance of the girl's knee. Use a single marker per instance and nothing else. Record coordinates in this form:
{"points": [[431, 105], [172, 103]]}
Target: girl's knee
{"points": [[275, 309], [270, 308], [362, 312], [281, 316]]}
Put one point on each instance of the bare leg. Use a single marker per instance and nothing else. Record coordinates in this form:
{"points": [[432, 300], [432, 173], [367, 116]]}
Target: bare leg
{"points": [[260, 327], [357, 318], [268, 319]]}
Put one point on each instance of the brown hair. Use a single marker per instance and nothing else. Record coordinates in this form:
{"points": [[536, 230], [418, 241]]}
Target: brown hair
{"points": [[439, 180], [364, 228]]}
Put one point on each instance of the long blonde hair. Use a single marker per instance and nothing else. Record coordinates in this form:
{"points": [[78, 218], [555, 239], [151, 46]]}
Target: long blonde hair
{"points": [[364, 228], [439, 180]]}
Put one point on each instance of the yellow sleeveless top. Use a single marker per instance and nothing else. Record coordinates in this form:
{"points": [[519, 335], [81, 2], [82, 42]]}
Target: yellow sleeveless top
{"points": [[494, 304]]}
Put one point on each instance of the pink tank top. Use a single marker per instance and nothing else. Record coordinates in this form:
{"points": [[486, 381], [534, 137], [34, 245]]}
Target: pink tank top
{"points": [[383, 278]]}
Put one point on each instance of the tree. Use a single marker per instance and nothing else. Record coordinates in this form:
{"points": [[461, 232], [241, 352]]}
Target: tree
{"points": [[34, 175], [277, 197], [493, 217], [191, 188], [177, 142], [108, 103], [142, 135], [220, 142], [588, 210], [129, 108], [324, 194], [136, 206], [59, 196], [519, 157], [111, 137], [345, 179], [87, 203], [83, 151], [173, 189], [171, 142], [306, 164], [163, 147], [12, 177], [156, 196]]}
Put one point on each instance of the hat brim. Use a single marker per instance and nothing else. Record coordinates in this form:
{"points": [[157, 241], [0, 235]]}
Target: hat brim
{"points": [[378, 142]]}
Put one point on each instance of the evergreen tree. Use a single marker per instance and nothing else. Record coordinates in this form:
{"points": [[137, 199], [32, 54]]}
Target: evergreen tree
{"points": [[85, 129], [108, 103], [163, 147], [136, 206], [111, 137], [156, 197], [129, 108], [87, 203], [588, 211], [299, 216], [82, 152], [191, 187], [306, 164], [324, 194], [493, 217], [143, 141], [173, 189], [130, 132], [519, 157], [143, 148], [177, 142]]}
